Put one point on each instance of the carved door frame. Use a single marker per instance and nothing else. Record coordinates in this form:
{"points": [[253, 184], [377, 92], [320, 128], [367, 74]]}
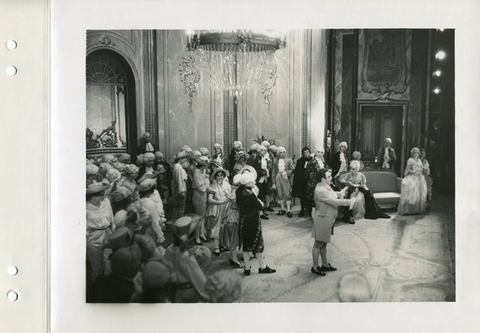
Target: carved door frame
{"points": [[385, 103]]}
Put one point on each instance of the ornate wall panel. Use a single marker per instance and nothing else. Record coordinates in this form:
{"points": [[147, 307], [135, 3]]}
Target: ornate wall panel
{"points": [[296, 93], [298, 98], [388, 74], [184, 127], [384, 61]]}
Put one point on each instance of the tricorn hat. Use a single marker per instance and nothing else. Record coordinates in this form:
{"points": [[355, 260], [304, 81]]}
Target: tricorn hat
{"points": [[120, 193], [147, 176], [97, 188], [250, 169]]}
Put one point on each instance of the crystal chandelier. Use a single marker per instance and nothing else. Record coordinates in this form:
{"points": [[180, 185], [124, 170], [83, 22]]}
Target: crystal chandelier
{"points": [[235, 60]]}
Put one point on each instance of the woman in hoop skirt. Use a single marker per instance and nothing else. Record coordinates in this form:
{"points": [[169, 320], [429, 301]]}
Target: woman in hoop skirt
{"points": [[413, 196], [366, 206]]}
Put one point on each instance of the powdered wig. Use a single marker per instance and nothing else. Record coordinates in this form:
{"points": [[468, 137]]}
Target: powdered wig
{"points": [[273, 149], [204, 151], [237, 144], [224, 287], [148, 157], [319, 148], [261, 148], [119, 166], [113, 175], [414, 150], [92, 169], [109, 158], [355, 165], [130, 169], [356, 154], [196, 153], [103, 168], [343, 143], [281, 150], [254, 147], [218, 146]]}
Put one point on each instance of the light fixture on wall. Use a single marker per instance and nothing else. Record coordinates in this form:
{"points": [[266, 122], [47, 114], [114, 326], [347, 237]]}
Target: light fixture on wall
{"points": [[440, 55], [235, 60]]}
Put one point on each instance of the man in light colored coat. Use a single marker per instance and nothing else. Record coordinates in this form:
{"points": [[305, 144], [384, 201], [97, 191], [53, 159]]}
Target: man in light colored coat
{"points": [[324, 215], [282, 172]]}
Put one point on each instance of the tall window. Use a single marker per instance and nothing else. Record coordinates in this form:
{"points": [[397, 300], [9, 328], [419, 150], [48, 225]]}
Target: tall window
{"points": [[107, 85]]}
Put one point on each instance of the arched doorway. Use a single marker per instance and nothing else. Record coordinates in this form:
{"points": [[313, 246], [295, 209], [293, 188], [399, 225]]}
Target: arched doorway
{"points": [[111, 112]]}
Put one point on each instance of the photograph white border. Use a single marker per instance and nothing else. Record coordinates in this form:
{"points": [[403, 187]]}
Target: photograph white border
{"points": [[71, 20]]}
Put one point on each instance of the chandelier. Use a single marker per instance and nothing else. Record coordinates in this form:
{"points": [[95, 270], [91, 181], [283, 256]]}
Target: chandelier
{"points": [[235, 60]]}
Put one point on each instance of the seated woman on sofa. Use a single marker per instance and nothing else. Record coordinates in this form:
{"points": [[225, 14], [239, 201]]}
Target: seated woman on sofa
{"points": [[366, 207], [356, 155]]}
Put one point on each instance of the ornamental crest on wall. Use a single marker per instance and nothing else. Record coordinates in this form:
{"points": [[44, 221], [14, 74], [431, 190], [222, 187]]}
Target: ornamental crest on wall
{"points": [[384, 63]]}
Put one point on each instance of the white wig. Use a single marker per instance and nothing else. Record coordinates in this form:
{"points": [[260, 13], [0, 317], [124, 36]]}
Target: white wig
{"points": [[354, 164]]}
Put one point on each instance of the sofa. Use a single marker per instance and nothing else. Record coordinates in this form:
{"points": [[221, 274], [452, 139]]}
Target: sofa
{"points": [[385, 186]]}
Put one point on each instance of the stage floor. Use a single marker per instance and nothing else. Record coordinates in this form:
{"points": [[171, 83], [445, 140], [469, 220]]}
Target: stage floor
{"points": [[405, 258]]}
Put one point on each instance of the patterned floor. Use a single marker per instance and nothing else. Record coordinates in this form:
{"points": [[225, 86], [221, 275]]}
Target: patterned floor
{"points": [[405, 258]]}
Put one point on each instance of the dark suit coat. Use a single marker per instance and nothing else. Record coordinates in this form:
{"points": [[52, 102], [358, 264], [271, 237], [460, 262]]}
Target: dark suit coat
{"points": [[335, 163], [142, 146], [299, 186], [381, 154], [257, 165]]}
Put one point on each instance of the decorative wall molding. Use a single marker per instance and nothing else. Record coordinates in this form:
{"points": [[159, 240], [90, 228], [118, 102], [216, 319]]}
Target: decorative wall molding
{"points": [[105, 41], [114, 38], [384, 63], [267, 89], [106, 139], [190, 76]]}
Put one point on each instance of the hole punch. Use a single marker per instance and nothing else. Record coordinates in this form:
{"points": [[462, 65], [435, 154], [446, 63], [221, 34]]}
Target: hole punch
{"points": [[11, 70], [11, 45], [12, 270], [12, 295]]}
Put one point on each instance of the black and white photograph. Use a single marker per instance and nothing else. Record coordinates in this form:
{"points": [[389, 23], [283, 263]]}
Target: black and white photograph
{"points": [[274, 166], [270, 166]]}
